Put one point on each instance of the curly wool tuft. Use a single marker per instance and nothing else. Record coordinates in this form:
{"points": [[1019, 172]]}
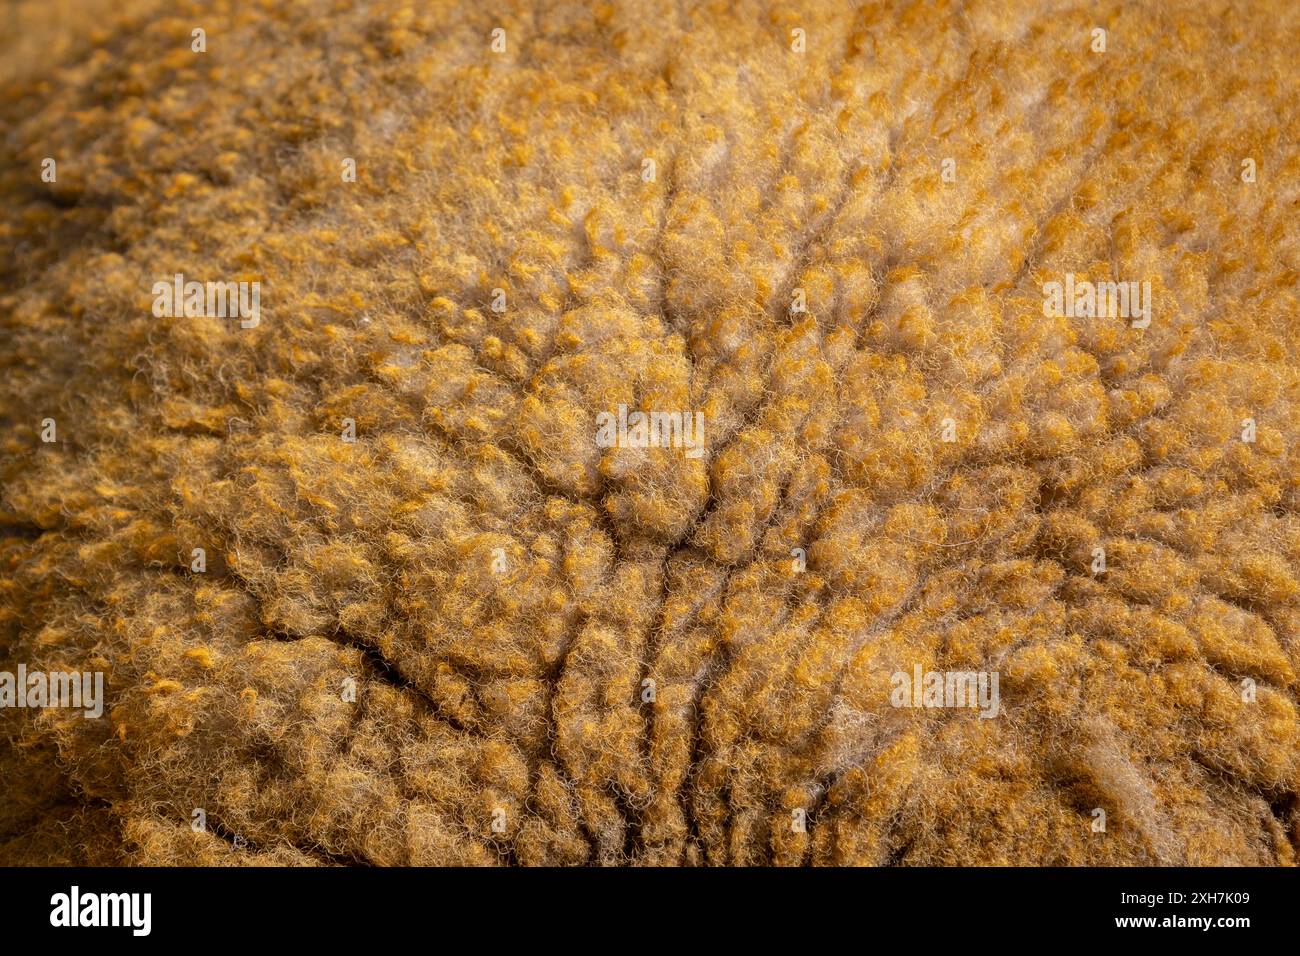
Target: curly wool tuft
{"points": [[474, 636]]}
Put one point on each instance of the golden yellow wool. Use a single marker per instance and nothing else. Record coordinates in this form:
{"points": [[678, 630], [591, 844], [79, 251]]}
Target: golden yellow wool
{"points": [[472, 635]]}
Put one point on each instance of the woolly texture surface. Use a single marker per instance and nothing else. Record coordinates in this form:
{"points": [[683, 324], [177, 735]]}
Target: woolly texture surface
{"points": [[503, 591]]}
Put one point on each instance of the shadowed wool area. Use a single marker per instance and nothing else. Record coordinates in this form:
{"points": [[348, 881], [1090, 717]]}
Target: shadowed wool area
{"points": [[500, 712]]}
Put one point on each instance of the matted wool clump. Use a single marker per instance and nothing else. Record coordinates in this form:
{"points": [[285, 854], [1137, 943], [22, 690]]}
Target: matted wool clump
{"points": [[650, 433]]}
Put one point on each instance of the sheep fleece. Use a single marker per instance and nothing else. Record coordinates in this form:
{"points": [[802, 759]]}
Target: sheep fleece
{"points": [[474, 636]]}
